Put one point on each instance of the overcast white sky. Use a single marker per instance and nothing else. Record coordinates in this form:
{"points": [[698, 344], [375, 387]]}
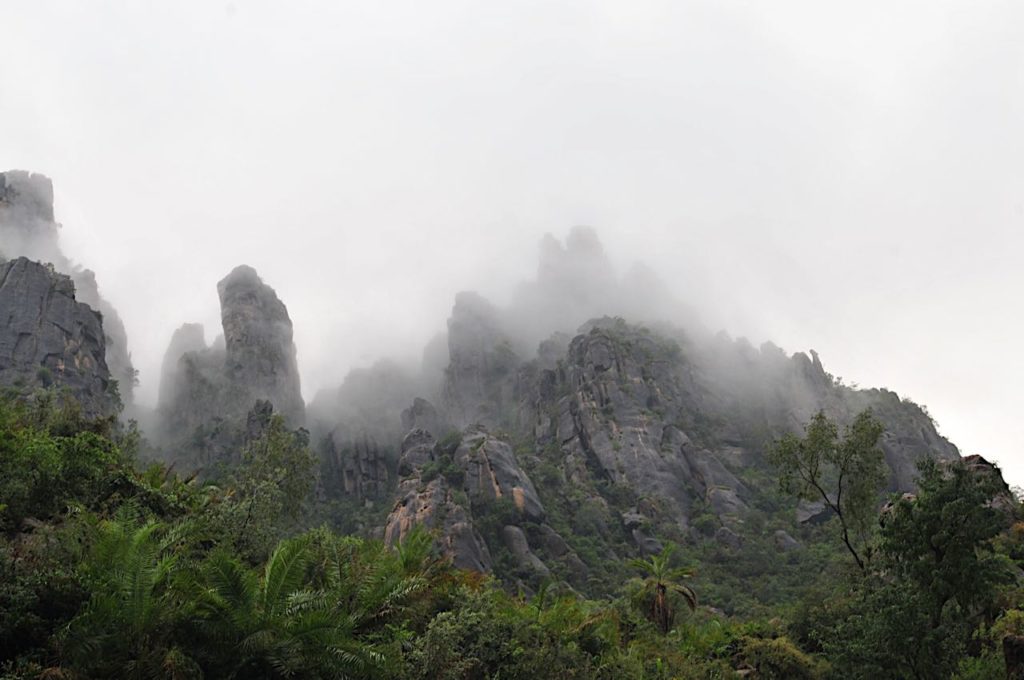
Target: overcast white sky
{"points": [[847, 177]]}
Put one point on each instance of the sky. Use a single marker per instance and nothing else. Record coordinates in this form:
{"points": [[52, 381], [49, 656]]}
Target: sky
{"points": [[847, 177]]}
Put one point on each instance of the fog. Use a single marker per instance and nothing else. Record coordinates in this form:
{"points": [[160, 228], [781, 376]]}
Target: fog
{"points": [[843, 178]]}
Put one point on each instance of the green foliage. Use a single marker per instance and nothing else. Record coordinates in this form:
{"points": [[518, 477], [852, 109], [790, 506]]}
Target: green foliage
{"points": [[846, 475], [941, 540], [937, 580], [780, 659], [662, 588], [269, 492], [47, 461], [111, 571]]}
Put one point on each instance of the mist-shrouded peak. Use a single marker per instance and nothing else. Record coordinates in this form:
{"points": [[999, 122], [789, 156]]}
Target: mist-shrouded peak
{"points": [[252, 365], [28, 229], [189, 337], [261, 355], [29, 192]]}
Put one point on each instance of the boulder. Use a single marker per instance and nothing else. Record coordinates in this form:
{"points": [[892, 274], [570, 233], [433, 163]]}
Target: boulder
{"points": [[515, 540], [784, 542]]}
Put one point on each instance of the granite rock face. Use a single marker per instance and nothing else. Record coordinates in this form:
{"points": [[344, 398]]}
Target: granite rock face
{"points": [[614, 409], [28, 229], [186, 340], [491, 471], [260, 354], [48, 338], [447, 484], [207, 392], [433, 504]]}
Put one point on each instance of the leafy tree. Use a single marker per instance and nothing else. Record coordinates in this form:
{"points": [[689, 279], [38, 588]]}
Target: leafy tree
{"points": [[662, 585], [846, 475], [268, 493], [940, 541], [47, 462], [937, 579]]}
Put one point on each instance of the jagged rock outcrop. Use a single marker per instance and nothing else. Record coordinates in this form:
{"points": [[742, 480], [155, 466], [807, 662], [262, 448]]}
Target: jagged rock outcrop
{"points": [[27, 228], [446, 483], [187, 339], [207, 392], [491, 471], [260, 355], [432, 504], [613, 410], [48, 338], [636, 436]]}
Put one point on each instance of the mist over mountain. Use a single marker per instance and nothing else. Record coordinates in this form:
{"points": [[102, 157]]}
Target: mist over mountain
{"points": [[28, 229], [448, 341]]}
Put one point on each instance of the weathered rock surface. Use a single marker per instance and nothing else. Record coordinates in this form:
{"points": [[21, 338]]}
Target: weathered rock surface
{"points": [[260, 354], [432, 504], [48, 338], [784, 542], [422, 415], [27, 228], [207, 392], [515, 541], [491, 471], [621, 394]]}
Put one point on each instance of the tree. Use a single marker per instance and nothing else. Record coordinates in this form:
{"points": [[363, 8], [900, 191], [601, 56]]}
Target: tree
{"points": [[269, 492], [937, 577], [940, 540], [846, 475], [662, 585]]}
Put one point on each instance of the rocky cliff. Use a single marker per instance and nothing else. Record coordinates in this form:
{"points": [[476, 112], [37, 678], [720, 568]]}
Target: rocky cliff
{"points": [[27, 228], [207, 392], [598, 443], [50, 339]]}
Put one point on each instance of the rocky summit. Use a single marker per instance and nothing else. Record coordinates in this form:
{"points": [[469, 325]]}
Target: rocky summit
{"points": [[207, 392]]}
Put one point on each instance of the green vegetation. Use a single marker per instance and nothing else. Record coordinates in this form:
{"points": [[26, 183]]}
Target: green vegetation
{"points": [[112, 570], [843, 475], [661, 586]]}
